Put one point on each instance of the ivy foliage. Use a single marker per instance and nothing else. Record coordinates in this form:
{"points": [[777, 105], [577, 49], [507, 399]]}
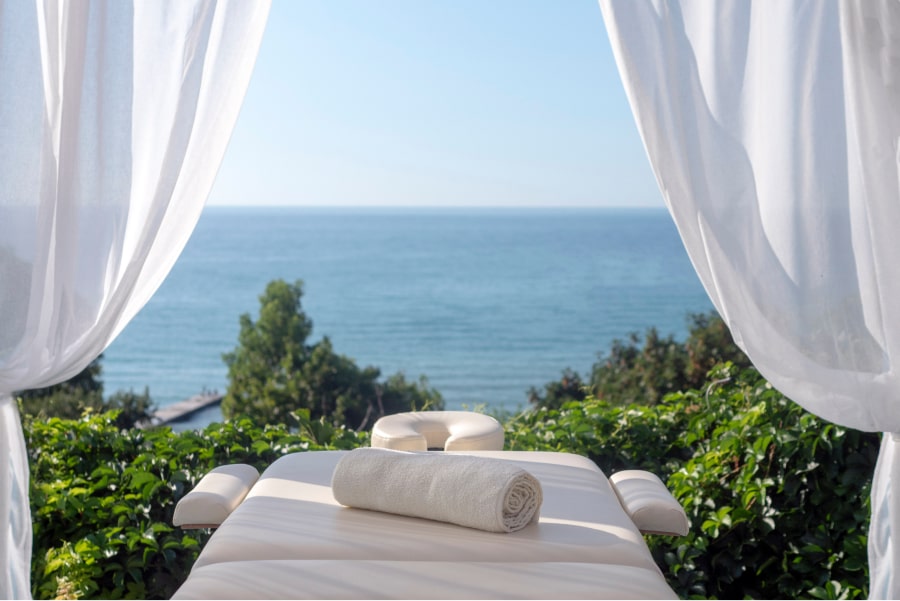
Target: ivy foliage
{"points": [[778, 499], [102, 498]]}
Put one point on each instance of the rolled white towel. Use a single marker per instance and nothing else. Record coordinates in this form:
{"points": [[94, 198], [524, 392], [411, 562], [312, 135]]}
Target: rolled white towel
{"points": [[477, 492]]}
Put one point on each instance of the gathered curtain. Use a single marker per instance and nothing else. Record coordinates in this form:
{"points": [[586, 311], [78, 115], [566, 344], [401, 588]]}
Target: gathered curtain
{"points": [[115, 117], [773, 129]]}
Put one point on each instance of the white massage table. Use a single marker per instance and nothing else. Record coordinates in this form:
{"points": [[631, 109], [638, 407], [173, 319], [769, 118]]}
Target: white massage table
{"points": [[289, 538]]}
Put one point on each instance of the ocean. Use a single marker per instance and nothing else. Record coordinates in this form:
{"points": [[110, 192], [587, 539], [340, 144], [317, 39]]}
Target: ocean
{"points": [[485, 303]]}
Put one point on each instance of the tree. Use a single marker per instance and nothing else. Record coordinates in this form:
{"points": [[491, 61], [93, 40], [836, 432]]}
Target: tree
{"points": [[640, 374], [274, 371], [709, 344], [85, 386], [84, 392], [569, 387], [644, 370]]}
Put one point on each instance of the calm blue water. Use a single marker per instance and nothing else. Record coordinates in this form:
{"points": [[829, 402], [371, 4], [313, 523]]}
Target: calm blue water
{"points": [[485, 302]]}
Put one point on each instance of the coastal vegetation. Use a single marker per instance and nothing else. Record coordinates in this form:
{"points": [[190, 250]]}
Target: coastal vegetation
{"points": [[102, 497], [84, 393], [275, 371], [778, 499], [643, 369]]}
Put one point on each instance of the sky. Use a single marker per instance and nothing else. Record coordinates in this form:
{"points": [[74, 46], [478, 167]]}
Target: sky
{"points": [[435, 103]]}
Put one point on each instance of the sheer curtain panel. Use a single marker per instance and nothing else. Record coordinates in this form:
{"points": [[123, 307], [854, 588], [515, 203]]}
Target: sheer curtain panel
{"points": [[772, 128], [115, 116]]}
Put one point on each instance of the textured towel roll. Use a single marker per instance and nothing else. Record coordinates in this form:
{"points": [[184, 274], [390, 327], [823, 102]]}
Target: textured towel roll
{"points": [[477, 492]]}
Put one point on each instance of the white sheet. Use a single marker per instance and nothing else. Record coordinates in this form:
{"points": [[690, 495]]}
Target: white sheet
{"points": [[297, 579]]}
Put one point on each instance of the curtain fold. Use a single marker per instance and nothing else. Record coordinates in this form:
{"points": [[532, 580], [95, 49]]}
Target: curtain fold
{"points": [[773, 128], [115, 116]]}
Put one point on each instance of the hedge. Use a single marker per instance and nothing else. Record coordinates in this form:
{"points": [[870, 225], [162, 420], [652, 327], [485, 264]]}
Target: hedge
{"points": [[778, 499], [102, 498]]}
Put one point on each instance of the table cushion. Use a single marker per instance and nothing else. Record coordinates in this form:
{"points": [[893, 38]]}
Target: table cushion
{"points": [[291, 514], [651, 506], [216, 495], [444, 430]]}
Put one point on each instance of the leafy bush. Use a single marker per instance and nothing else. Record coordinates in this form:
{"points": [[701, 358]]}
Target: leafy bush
{"points": [[778, 499], [644, 370], [102, 498]]}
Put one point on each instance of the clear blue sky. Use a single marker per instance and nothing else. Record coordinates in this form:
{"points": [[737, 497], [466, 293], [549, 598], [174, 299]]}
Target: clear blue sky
{"points": [[435, 103]]}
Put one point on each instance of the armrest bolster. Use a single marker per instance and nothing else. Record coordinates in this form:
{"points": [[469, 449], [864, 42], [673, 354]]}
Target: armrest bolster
{"points": [[216, 495], [649, 503]]}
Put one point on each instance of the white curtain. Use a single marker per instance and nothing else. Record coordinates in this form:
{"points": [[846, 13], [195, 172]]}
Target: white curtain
{"points": [[114, 119], [772, 128]]}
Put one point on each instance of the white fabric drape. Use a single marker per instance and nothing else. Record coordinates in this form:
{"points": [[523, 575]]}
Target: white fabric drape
{"points": [[773, 130], [114, 119]]}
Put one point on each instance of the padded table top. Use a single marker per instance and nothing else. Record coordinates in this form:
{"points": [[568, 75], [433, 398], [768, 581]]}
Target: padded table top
{"points": [[290, 514]]}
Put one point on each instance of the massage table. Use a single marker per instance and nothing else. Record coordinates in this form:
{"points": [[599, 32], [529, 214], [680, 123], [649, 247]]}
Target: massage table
{"points": [[283, 535]]}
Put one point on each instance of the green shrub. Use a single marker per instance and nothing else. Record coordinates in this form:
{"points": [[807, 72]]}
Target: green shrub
{"points": [[645, 369], [778, 499], [102, 498], [84, 392]]}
